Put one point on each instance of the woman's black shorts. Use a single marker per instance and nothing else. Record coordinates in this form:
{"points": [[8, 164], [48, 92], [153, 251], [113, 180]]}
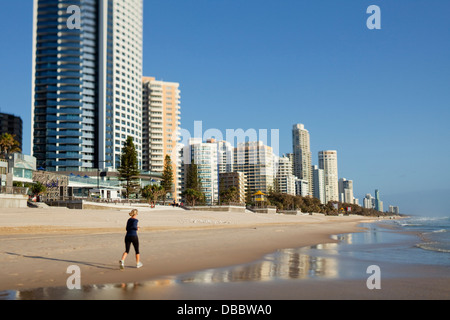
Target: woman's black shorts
{"points": [[131, 240]]}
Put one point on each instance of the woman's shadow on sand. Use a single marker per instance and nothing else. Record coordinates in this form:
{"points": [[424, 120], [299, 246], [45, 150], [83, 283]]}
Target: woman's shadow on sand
{"points": [[85, 263]]}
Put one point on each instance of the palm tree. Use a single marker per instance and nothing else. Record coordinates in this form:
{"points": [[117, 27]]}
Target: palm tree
{"points": [[8, 144]]}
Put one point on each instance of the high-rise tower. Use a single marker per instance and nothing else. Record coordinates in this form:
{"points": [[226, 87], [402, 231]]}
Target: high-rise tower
{"points": [[13, 125], [319, 184], [302, 155], [257, 161], [328, 162], [160, 126], [86, 82], [204, 156], [346, 191], [378, 202]]}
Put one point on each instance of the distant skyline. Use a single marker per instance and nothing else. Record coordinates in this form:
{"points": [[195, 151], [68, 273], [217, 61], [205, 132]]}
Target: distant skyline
{"points": [[380, 98]]}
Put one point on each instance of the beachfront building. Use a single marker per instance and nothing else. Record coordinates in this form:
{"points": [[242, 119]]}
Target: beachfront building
{"points": [[13, 125], [86, 83], [378, 202], [108, 194], [285, 180], [234, 179], [225, 155], [21, 167], [204, 155], [394, 210], [369, 201], [346, 191], [57, 185], [302, 187], [180, 169], [15, 170], [319, 184], [328, 163], [302, 155], [3, 172], [160, 126], [257, 161], [291, 157]]}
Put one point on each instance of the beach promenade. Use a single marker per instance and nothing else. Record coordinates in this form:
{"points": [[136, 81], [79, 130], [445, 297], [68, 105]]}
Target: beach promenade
{"points": [[38, 245]]}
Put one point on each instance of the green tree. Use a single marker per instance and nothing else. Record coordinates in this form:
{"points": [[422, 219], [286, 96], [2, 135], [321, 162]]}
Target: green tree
{"points": [[129, 170], [193, 193], [229, 195], [311, 205], [298, 202], [8, 144], [330, 208], [192, 179], [167, 177], [152, 192], [38, 188], [192, 196]]}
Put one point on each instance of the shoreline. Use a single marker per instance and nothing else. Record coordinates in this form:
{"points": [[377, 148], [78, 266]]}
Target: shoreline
{"points": [[37, 250], [185, 251]]}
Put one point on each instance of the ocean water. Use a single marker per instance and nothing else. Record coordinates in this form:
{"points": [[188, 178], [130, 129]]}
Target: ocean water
{"points": [[410, 247], [433, 231], [415, 240]]}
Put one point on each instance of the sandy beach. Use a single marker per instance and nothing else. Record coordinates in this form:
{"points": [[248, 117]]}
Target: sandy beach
{"points": [[38, 245]]}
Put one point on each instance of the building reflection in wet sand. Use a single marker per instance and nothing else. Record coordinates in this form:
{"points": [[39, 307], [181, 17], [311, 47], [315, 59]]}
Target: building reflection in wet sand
{"points": [[282, 265]]}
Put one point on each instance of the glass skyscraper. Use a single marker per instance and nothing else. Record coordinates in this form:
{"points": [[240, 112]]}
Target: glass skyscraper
{"points": [[87, 82]]}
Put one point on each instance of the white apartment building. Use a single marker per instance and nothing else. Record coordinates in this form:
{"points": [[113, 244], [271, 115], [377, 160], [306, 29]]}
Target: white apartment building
{"points": [[204, 155], [285, 179], [394, 210], [257, 161], [346, 191], [302, 155], [225, 155], [127, 68], [369, 201], [301, 187], [319, 184], [328, 162]]}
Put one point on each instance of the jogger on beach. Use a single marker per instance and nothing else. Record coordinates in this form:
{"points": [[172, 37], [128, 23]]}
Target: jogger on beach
{"points": [[131, 238]]}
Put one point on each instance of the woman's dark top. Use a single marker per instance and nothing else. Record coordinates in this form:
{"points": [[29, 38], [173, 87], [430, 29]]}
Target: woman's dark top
{"points": [[132, 227]]}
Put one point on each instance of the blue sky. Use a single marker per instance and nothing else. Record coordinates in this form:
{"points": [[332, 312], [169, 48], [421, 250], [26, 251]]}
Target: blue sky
{"points": [[381, 98]]}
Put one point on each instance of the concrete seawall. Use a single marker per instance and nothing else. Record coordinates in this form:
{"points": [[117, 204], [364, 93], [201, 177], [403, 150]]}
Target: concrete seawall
{"points": [[13, 200]]}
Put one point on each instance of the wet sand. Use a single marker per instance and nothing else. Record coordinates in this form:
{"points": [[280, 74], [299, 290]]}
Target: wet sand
{"points": [[38, 245]]}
